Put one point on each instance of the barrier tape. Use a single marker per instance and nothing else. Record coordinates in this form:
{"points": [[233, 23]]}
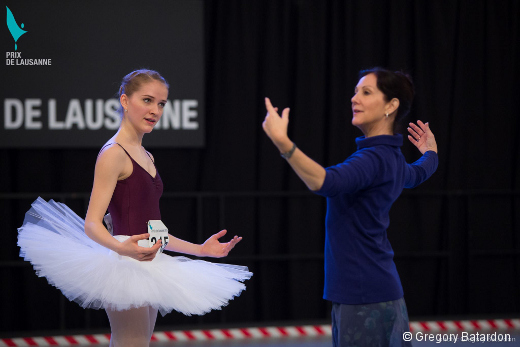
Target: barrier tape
{"points": [[259, 333]]}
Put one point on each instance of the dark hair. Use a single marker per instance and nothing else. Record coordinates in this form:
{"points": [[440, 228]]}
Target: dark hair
{"points": [[135, 79], [394, 84]]}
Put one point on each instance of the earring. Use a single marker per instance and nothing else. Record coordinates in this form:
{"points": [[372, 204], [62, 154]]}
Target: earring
{"points": [[387, 115], [126, 110]]}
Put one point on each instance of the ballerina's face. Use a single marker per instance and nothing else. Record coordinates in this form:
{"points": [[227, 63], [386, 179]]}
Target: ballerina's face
{"points": [[145, 106]]}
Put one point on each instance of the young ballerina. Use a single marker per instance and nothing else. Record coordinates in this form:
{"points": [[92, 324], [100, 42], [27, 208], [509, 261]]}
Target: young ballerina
{"points": [[100, 270]]}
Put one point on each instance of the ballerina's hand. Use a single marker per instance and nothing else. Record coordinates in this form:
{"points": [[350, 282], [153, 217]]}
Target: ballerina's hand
{"points": [[131, 249], [275, 126], [213, 248], [422, 137]]}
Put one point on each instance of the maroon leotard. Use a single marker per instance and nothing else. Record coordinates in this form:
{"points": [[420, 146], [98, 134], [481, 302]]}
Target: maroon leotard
{"points": [[135, 201]]}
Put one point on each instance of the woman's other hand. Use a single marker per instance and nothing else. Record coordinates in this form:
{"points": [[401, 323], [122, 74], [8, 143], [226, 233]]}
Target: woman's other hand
{"points": [[422, 137]]}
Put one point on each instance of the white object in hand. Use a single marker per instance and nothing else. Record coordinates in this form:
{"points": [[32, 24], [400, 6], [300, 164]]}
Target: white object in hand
{"points": [[158, 231]]}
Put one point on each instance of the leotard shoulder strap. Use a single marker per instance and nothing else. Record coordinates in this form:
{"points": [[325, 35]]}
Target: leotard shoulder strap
{"points": [[108, 144]]}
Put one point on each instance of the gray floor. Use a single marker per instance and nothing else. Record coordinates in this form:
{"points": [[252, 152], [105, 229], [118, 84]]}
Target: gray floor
{"points": [[327, 342], [281, 342]]}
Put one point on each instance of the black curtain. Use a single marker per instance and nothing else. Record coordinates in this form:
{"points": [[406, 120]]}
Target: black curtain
{"points": [[455, 237]]}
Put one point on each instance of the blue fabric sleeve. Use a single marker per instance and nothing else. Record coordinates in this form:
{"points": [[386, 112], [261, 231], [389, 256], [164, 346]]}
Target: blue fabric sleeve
{"points": [[419, 171], [355, 173]]}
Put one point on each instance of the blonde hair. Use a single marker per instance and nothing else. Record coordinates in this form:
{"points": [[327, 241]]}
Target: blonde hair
{"points": [[135, 79]]}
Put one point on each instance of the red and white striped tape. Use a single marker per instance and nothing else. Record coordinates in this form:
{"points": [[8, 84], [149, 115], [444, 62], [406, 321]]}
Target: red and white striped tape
{"points": [[260, 333]]}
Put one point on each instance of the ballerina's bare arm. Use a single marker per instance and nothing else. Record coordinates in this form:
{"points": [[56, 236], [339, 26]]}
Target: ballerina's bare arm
{"points": [[109, 167], [210, 248]]}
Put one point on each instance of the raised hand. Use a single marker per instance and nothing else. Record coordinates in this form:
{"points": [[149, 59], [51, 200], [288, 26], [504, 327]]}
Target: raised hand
{"points": [[276, 127], [131, 249], [422, 137], [213, 248]]}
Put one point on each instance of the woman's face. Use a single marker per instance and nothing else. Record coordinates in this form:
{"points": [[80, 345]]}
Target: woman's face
{"points": [[368, 104], [145, 106]]}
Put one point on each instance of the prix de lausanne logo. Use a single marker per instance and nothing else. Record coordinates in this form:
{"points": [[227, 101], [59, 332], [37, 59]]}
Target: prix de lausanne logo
{"points": [[15, 58], [15, 30]]}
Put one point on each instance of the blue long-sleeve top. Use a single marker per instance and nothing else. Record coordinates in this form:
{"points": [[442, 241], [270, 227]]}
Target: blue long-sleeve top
{"points": [[359, 266]]}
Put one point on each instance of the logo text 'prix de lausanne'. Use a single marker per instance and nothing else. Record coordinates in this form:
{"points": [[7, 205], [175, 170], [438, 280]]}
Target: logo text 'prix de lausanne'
{"points": [[15, 58]]}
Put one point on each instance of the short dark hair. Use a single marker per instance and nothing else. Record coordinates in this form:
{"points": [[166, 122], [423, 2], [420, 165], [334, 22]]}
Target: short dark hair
{"points": [[394, 84]]}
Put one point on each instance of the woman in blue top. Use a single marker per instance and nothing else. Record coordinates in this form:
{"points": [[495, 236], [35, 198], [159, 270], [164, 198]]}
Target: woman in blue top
{"points": [[361, 279]]}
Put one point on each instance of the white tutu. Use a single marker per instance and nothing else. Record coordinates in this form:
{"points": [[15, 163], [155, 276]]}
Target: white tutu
{"points": [[52, 238]]}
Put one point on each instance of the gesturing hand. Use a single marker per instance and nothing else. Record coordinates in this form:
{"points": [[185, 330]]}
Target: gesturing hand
{"points": [[213, 248], [276, 127], [422, 137], [131, 249]]}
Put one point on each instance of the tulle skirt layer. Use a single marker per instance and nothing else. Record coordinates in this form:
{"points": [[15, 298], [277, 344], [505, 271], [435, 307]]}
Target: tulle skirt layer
{"points": [[52, 238]]}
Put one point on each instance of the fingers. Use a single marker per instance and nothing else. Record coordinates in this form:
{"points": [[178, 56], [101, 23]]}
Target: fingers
{"points": [[418, 131], [270, 110], [133, 250], [156, 247], [136, 238], [412, 140], [153, 249], [428, 130], [274, 110], [414, 136], [213, 248], [285, 113], [148, 254], [422, 137], [231, 244], [220, 234], [268, 105], [425, 127], [148, 257]]}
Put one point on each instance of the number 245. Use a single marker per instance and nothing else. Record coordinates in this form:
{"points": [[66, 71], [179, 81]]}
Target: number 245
{"points": [[164, 240]]}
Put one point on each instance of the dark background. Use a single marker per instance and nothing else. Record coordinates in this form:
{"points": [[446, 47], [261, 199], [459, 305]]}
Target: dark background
{"points": [[456, 237], [92, 45]]}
